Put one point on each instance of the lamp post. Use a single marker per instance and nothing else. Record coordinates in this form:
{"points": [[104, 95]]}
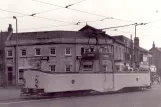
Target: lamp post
{"points": [[16, 54]]}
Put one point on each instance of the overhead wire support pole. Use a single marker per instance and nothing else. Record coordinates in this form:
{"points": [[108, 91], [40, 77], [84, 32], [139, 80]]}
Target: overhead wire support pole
{"points": [[135, 29]]}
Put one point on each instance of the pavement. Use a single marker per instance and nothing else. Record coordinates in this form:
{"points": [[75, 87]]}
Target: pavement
{"points": [[9, 93]]}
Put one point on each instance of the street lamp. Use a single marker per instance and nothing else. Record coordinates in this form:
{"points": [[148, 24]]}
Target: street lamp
{"points": [[16, 53]]}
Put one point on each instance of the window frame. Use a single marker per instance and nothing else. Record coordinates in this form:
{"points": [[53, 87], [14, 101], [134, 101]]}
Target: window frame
{"points": [[36, 52], [22, 52], [70, 66], [88, 68], [51, 51], [66, 51], [51, 68], [11, 68], [8, 53]]}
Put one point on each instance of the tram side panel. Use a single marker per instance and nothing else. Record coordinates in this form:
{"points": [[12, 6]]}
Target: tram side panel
{"points": [[123, 80], [69, 82]]}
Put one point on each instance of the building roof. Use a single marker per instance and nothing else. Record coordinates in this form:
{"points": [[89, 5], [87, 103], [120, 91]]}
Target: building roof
{"points": [[61, 34], [47, 35], [87, 27], [56, 34], [157, 48], [117, 36], [3, 36], [143, 50], [51, 35]]}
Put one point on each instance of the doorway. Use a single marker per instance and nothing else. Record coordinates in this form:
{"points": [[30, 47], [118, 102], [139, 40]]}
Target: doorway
{"points": [[10, 75]]}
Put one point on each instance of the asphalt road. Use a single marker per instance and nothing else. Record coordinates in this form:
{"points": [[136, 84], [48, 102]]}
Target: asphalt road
{"points": [[150, 98]]}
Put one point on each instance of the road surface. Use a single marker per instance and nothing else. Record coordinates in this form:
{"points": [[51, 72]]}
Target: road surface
{"points": [[150, 98]]}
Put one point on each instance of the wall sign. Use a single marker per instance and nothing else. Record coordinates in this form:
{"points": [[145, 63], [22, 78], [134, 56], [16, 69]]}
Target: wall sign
{"points": [[42, 58]]}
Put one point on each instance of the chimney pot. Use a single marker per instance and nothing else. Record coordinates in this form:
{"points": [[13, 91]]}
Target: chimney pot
{"points": [[153, 45]]}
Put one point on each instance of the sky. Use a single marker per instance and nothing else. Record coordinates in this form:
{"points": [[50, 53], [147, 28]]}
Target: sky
{"points": [[50, 17]]}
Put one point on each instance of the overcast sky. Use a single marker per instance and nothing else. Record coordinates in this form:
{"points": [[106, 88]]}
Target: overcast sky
{"points": [[122, 11]]}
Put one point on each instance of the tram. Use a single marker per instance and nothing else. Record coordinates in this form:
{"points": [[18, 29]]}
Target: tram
{"points": [[111, 78]]}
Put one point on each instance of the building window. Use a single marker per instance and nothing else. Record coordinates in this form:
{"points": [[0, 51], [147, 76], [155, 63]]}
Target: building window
{"points": [[105, 68], [37, 51], [21, 72], [87, 67], [52, 67], [68, 68], [9, 53], [52, 51], [23, 52], [10, 69], [87, 50], [68, 51], [82, 51]]}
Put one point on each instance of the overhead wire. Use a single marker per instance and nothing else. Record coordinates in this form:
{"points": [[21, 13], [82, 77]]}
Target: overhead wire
{"points": [[118, 26], [46, 27], [36, 16], [78, 23], [47, 11], [70, 9], [9, 17], [127, 32], [39, 12], [59, 7], [74, 3], [80, 10]]}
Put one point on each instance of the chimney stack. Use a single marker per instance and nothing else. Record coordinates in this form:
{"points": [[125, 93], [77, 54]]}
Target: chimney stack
{"points": [[153, 45], [10, 29]]}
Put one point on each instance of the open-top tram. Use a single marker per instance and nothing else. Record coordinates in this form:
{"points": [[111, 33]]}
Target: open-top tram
{"points": [[94, 70], [110, 78]]}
